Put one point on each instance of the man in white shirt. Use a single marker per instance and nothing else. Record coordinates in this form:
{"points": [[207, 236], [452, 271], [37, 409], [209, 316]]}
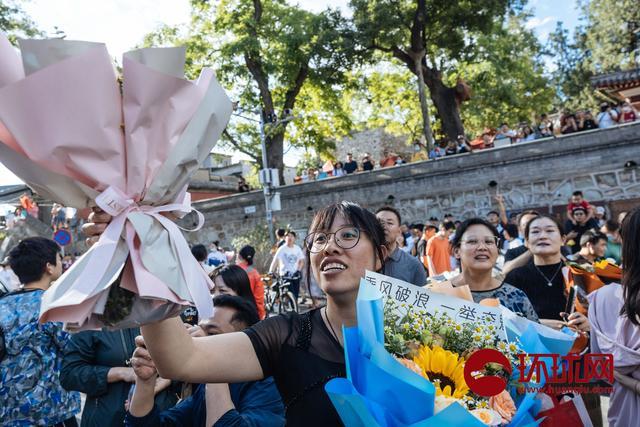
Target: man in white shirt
{"points": [[289, 260]]}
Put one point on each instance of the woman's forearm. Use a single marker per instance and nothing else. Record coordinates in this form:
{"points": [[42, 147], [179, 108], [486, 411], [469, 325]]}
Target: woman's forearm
{"points": [[224, 358], [169, 344]]}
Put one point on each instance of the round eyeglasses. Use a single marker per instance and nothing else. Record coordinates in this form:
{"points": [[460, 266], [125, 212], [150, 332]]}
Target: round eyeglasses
{"points": [[345, 238], [488, 242]]}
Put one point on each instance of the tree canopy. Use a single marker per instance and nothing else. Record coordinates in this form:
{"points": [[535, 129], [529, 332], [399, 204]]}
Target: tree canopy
{"points": [[273, 57], [15, 22]]}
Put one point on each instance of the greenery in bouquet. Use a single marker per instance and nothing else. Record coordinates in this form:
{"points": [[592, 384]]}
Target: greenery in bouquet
{"points": [[119, 304], [436, 347]]}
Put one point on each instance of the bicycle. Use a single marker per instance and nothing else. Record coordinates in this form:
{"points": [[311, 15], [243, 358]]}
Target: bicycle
{"points": [[278, 298]]}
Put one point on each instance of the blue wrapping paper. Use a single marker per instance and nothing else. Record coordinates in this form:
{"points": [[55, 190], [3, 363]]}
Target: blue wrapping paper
{"points": [[535, 339], [380, 391]]}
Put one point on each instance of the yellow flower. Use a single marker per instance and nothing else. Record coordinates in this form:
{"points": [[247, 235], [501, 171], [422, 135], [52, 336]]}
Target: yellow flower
{"points": [[445, 367]]}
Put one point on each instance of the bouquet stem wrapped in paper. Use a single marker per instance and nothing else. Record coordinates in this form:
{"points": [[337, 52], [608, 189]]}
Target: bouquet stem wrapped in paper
{"points": [[75, 136]]}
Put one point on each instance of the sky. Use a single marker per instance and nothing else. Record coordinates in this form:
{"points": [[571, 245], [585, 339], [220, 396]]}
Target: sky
{"points": [[122, 24]]}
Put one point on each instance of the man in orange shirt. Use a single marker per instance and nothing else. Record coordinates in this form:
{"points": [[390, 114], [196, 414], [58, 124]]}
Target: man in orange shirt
{"points": [[438, 250]]}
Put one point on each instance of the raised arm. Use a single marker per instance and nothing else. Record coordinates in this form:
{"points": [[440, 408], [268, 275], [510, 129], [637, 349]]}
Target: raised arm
{"points": [[226, 358], [520, 261]]}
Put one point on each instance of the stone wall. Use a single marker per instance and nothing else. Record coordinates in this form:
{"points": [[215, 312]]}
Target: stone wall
{"points": [[374, 142], [538, 174]]}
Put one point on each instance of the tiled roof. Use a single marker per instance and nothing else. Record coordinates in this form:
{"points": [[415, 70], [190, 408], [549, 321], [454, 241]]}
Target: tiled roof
{"points": [[617, 79]]}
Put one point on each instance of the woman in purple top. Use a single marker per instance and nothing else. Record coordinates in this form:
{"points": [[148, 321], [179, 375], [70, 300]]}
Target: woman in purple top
{"points": [[614, 313]]}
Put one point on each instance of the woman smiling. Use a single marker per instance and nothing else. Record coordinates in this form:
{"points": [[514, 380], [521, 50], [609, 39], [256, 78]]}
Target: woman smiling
{"points": [[541, 279], [475, 245], [301, 352]]}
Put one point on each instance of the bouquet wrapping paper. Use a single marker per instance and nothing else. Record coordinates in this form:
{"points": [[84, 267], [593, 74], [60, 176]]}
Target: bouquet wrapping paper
{"points": [[75, 136]]}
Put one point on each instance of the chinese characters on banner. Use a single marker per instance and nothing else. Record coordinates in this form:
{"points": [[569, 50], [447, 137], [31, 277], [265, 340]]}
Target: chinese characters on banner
{"points": [[425, 300]]}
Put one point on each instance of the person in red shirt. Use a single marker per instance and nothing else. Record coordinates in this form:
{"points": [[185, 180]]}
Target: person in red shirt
{"points": [[628, 113], [577, 200], [244, 259]]}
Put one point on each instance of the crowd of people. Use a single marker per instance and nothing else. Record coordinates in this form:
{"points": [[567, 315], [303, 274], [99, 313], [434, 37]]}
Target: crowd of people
{"points": [[566, 122], [243, 367]]}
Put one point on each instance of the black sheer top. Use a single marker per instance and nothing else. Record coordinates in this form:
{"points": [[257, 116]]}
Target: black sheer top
{"points": [[548, 301], [302, 356]]}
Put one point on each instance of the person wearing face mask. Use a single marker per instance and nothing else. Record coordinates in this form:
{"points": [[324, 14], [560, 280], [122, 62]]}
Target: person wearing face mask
{"points": [[399, 264], [475, 246], [541, 278], [302, 351]]}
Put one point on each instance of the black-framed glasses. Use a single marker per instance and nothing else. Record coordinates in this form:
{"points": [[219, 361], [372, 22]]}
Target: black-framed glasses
{"points": [[345, 237], [474, 242]]}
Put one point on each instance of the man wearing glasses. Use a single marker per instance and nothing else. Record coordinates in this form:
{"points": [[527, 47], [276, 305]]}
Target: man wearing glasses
{"points": [[398, 264]]}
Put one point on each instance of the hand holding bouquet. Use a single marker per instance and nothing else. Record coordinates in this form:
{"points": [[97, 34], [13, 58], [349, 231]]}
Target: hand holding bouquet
{"points": [[77, 137]]}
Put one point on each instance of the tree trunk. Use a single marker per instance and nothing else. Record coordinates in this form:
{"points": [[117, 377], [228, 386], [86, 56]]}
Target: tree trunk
{"points": [[444, 99], [275, 158], [422, 94]]}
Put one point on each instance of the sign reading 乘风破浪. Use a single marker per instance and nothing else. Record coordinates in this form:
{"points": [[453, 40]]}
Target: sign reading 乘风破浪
{"points": [[408, 296]]}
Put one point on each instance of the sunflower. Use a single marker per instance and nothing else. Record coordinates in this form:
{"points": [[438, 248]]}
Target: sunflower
{"points": [[443, 368]]}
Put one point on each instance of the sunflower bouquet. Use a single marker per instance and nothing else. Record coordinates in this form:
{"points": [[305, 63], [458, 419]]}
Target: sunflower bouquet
{"points": [[435, 346]]}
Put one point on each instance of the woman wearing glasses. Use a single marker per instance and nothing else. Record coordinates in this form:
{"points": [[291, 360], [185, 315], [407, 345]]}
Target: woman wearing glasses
{"points": [[475, 245], [301, 352], [541, 279]]}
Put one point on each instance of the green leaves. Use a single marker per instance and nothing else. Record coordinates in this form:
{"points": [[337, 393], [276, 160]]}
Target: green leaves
{"points": [[271, 55], [15, 22]]}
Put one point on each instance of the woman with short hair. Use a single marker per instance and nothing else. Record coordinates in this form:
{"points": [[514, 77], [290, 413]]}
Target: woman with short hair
{"points": [[475, 246]]}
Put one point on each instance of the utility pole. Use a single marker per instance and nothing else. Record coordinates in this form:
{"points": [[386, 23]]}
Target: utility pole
{"points": [[268, 176]]}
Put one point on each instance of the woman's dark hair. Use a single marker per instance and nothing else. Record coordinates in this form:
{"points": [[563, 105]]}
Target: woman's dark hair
{"points": [[630, 234], [247, 253], [199, 252], [238, 280], [593, 237], [512, 230], [538, 218], [245, 311], [457, 238], [29, 258], [612, 225], [354, 214]]}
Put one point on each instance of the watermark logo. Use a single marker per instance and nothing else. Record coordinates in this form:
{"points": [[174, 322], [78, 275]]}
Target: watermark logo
{"points": [[559, 374]]}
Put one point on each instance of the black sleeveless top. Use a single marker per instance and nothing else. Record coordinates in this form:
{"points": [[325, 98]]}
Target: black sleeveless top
{"points": [[302, 356]]}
